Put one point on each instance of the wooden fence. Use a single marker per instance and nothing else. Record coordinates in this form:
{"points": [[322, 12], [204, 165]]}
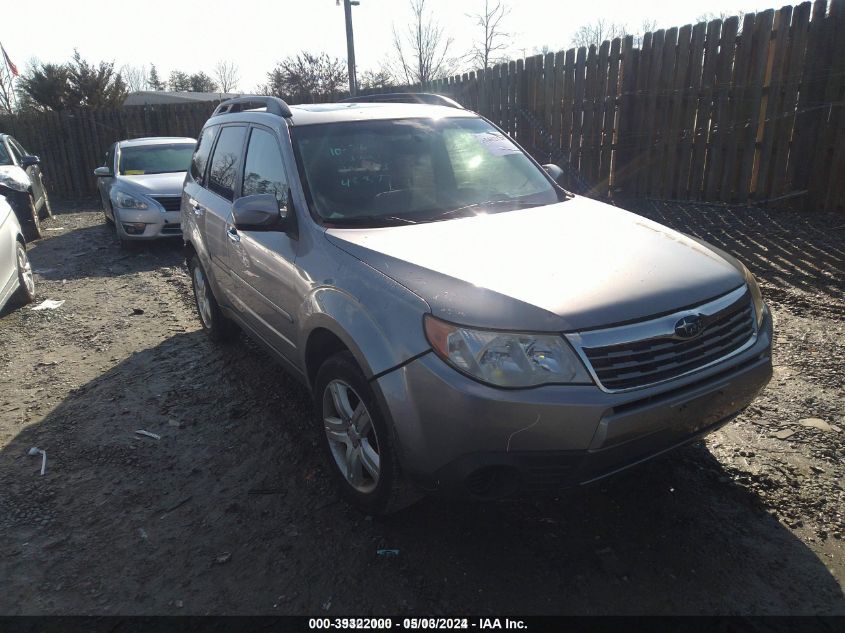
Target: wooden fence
{"points": [[72, 143], [719, 111]]}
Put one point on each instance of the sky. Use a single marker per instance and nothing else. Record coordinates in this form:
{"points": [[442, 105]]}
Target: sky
{"points": [[190, 35]]}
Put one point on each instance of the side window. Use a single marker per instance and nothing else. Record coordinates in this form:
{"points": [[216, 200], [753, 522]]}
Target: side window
{"points": [[5, 158], [224, 163], [201, 154], [17, 151], [264, 171]]}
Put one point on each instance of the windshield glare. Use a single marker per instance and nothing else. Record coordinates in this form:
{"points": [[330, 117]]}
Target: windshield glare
{"points": [[155, 159], [415, 170]]}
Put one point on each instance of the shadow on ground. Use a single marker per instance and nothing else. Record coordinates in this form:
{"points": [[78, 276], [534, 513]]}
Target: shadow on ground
{"points": [[229, 512]]}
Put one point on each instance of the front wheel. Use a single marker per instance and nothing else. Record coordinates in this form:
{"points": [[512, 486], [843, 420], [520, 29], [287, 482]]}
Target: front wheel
{"points": [[358, 442], [32, 229], [218, 327], [26, 281], [47, 206]]}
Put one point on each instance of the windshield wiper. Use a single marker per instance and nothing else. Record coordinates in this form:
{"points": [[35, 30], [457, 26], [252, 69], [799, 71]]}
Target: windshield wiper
{"points": [[369, 220], [489, 203]]}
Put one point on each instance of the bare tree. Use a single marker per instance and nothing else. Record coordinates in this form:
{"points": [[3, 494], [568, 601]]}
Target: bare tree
{"points": [[227, 75], [135, 77], [424, 49], [7, 90], [709, 16], [595, 33], [489, 50], [648, 25]]}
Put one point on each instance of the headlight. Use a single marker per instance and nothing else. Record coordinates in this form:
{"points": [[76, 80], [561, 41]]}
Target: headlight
{"points": [[126, 200], [14, 178], [756, 296], [506, 359]]}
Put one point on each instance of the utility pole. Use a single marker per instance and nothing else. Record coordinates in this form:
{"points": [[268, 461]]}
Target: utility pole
{"points": [[350, 45]]}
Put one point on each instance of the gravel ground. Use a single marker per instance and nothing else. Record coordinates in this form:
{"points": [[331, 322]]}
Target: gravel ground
{"points": [[229, 511]]}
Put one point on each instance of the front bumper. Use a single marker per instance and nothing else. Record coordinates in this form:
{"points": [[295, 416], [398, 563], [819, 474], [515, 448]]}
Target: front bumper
{"points": [[454, 434], [158, 223]]}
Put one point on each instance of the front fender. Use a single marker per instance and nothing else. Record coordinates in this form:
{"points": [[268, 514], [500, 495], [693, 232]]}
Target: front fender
{"points": [[381, 334]]}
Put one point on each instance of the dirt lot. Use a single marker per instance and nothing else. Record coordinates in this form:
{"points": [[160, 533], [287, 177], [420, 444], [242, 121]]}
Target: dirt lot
{"points": [[229, 512]]}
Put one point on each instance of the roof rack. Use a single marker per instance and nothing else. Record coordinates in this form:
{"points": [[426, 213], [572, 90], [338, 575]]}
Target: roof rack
{"points": [[274, 105], [406, 97]]}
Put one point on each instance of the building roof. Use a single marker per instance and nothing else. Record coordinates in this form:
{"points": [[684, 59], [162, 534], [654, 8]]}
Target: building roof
{"points": [[155, 97]]}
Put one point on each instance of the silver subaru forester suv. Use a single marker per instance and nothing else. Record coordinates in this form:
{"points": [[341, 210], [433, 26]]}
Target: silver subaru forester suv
{"points": [[464, 324]]}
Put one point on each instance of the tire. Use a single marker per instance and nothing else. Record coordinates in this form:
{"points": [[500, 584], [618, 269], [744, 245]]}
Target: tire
{"points": [[357, 440], [217, 326], [26, 291], [32, 228], [47, 206]]}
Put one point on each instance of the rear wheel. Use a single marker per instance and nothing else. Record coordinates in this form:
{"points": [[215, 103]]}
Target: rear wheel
{"points": [[32, 229], [218, 327], [357, 440], [26, 291]]}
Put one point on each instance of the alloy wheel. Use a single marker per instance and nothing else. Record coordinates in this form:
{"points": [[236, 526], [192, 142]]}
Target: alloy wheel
{"points": [[352, 436], [201, 294], [25, 268]]}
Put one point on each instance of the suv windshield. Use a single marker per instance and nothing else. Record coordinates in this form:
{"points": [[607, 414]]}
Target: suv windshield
{"points": [[376, 173], [155, 159]]}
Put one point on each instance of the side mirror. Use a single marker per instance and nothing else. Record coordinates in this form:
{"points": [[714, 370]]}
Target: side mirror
{"points": [[259, 212], [29, 161], [102, 172], [555, 172]]}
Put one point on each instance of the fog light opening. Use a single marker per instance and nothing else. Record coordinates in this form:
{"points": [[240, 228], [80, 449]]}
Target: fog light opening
{"points": [[134, 228], [493, 482]]}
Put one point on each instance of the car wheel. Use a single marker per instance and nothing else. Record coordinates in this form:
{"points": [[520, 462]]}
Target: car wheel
{"points": [[47, 206], [218, 327], [32, 229], [26, 291], [357, 440]]}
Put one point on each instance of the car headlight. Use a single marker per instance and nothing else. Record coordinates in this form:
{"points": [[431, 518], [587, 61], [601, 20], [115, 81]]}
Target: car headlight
{"points": [[14, 178], [506, 359], [756, 296], [125, 200]]}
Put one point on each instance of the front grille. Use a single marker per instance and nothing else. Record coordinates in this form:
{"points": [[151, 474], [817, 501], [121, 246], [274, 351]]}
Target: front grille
{"points": [[633, 364], [170, 203], [172, 229]]}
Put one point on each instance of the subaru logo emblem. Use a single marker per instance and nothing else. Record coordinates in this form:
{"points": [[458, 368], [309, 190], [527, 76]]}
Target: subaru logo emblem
{"points": [[690, 326]]}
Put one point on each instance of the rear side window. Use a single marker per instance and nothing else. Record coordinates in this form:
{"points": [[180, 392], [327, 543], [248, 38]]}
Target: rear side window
{"points": [[224, 163], [264, 171], [5, 159], [201, 154]]}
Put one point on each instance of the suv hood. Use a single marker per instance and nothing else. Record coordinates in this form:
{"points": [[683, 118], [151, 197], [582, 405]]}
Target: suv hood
{"points": [[569, 266], [154, 184]]}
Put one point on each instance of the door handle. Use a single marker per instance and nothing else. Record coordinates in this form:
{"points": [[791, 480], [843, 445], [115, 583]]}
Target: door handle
{"points": [[232, 234], [196, 206]]}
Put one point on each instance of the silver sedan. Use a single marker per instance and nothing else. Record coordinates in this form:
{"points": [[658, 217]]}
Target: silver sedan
{"points": [[140, 185]]}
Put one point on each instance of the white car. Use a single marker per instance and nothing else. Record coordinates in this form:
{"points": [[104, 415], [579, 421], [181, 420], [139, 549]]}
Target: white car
{"points": [[15, 270]]}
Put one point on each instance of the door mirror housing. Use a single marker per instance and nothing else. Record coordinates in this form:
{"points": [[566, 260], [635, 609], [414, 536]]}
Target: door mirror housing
{"points": [[555, 172], [29, 161], [260, 212], [102, 172]]}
